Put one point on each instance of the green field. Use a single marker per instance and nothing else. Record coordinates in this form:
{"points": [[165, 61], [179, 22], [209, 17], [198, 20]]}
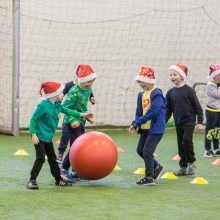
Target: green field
{"points": [[114, 197]]}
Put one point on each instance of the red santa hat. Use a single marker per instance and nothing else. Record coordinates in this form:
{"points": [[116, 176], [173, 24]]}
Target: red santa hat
{"points": [[146, 74], [84, 73], [214, 70], [181, 69], [51, 89]]}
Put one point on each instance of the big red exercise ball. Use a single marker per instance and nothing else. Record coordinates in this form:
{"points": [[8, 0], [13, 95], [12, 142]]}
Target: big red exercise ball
{"points": [[93, 155]]}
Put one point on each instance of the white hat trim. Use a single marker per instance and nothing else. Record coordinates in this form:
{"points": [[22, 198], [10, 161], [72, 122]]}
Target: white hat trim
{"points": [[87, 78], [214, 74], [145, 79], [53, 94], [179, 70]]}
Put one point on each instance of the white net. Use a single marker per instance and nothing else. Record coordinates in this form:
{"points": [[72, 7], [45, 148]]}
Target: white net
{"points": [[116, 38], [5, 65], [200, 89]]}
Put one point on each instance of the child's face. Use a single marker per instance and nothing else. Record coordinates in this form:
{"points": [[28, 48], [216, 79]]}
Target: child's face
{"points": [[175, 77], [87, 85], [60, 97], [145, 86], [217, 78]]}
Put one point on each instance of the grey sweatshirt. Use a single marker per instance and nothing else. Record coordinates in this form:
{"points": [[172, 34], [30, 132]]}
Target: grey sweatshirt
{"points": [[213, 94]]}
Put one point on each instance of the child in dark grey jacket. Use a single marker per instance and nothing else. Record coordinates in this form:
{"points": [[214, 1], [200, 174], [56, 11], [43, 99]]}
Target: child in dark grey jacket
{"points": [[212, 130]]}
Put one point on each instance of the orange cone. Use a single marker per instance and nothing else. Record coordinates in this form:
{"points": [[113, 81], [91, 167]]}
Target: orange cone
{"points": [[58, 141], [216, 162], [155, 154], [177, 157], [120, 150]]}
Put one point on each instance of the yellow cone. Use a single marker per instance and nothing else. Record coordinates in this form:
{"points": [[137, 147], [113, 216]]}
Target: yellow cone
{"points": [[199, 180], [117, 168], [21, 153], [169, 175], [140, 171]]}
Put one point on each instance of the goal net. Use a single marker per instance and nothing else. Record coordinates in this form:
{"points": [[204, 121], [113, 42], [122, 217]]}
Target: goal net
{"points": [[116, 38], [6, 66]]}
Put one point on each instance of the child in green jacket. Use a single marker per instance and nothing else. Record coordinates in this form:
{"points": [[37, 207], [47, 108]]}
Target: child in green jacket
{"points": [[43, 125]]}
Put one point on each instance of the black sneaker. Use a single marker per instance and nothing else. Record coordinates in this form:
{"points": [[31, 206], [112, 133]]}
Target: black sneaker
{"points": [[208, 153], [62, 183], [147, 181], [32, 184], [158, 172], [180, 172]]}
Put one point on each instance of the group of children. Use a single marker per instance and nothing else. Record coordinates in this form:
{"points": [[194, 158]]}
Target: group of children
{"points": [[152, 112], [44, 121]]}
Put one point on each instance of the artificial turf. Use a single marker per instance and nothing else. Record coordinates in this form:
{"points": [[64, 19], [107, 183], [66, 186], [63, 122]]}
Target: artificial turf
{"points": [[113, 197]]}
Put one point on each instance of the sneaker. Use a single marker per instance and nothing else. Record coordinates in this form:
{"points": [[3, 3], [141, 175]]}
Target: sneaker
{"points": [[62, 183], [180, 172], [208, 153], [60, 158], [158, 172], [191, 169], [69, 176], [83, 179], [73, 176], [147, 181], [32, 184], [64, 175], [217, 152]]}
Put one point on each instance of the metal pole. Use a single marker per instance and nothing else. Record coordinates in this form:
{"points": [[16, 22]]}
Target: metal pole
{"points": [[15, 68]]}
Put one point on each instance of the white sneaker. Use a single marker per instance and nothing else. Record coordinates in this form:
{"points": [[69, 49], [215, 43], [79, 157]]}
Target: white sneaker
{"points": [[208, 153], [32, 184], [217, 152]]}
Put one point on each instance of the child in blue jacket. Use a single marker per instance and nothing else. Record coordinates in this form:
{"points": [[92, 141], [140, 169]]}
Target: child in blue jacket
{"points": [[150, 122]]}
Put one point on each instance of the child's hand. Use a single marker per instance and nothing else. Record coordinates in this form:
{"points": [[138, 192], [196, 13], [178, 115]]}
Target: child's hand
{"points": [[91, 120], [35, 139], [132, 129], [92, 100], [75, 124], [199, 126], [86, 115]]}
